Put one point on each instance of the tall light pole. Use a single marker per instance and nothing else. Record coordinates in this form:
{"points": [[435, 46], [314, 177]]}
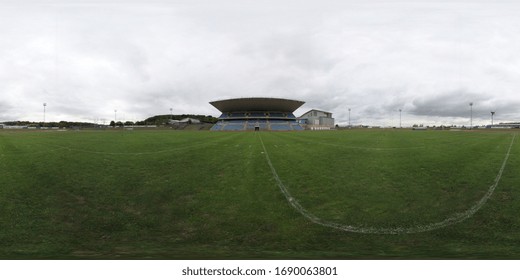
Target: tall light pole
{"points": [[44, 105], [400, 111], [115, 118], [348, 117], [471, 115], [171, 113], [492, 114]]}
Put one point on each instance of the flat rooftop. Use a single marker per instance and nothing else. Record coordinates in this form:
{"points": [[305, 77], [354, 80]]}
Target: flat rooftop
{"points": [[257, 104]]}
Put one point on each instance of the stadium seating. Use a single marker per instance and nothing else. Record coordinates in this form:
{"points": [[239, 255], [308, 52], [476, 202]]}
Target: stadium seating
{"points": [[257, 113], [254, 124]]}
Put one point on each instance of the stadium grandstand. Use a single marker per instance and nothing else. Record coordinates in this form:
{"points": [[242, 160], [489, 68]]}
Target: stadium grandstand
{"points": [[256, 114]]}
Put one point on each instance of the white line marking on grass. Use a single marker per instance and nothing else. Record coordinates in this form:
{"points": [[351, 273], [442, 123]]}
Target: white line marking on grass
{"points": [[367, 148], [135, 153], [41, 151], [453, 219], [128, 153]]}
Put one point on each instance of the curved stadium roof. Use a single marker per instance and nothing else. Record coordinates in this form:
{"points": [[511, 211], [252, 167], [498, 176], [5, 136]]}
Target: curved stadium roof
{"points": [[257, 104]]}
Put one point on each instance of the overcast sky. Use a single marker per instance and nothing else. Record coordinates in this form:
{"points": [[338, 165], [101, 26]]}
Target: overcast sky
{"points": [[430, 58]]}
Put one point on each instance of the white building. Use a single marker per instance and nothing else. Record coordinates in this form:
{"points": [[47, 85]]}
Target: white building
{"points": [[184, 121], [317, 120]]}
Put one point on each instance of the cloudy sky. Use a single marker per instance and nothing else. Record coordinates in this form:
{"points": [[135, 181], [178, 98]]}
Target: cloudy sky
{"points": [[430, 58]]}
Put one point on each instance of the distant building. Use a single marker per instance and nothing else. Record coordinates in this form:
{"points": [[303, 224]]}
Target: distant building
{"points": [[189, 120], [317, 120], [184, 121], [3, 126], [505, 125]]}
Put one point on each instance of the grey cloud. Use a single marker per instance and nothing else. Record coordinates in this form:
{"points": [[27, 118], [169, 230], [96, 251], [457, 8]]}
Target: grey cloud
{"points": [[4, 111], [456, 105], [429, 58]]}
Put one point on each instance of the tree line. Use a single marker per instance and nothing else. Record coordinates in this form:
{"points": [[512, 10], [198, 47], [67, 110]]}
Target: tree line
{"points": [[164, 119], [155, 120]]}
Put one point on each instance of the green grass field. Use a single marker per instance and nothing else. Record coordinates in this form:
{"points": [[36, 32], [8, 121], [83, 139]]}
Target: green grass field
{"points": [[210, 195]]}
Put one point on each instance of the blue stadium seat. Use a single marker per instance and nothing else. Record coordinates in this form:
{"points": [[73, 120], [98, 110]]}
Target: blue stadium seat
{"points": [[257, 115], [278, 121], [280, 127], [277, 115]]}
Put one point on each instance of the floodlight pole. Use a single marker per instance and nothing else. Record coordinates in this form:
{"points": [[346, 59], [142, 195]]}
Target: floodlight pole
{"points": [[44, 105], [400, 111], [115, 118], [492, 114], [471, 115], [349, 117]]}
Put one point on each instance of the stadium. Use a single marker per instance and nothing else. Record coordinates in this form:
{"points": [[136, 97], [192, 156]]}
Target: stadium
{"points": [[257, 113]]}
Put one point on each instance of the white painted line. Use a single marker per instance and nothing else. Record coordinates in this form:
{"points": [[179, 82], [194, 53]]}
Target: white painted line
{"points": [[178, 148], [369, 148], [453, 219], [129, 153]]}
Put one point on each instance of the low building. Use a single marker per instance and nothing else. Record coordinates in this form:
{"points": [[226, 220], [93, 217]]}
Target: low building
{"points": [[317, 120], [505, 125], [184, 121], [189, 120], [14, 126]]}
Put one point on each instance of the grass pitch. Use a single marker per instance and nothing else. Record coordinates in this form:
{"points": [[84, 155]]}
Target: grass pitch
{"points": [[207, 195]]}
